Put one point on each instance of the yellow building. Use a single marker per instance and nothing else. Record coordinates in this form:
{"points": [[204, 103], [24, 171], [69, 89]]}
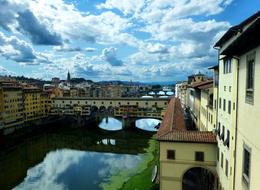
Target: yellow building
{"points": [[32, 104], [206, 107], [11, 105], [45, 104], [187, 158], [1, 109], [235, 113], [215, 96], [181, 93], [194, 103], [240, 65]]}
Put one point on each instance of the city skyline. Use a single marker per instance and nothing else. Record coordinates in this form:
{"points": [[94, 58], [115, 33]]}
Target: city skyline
{"points": [[162, 40]]}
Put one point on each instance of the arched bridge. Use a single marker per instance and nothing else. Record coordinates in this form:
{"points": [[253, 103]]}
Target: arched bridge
{"points": [[130, 107]]}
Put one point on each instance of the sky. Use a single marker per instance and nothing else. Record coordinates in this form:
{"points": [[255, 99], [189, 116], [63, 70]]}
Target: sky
{"points": [[137, 40]]}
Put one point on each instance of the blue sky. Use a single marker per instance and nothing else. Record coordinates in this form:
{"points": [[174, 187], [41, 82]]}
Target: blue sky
{"points": [[138, 40]]}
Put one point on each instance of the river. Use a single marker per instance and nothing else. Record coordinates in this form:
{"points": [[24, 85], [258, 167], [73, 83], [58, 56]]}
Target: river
{"points": [[63, 156]]}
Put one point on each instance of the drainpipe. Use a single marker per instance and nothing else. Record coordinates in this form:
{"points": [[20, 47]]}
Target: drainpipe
{"points": [[235, 151]]}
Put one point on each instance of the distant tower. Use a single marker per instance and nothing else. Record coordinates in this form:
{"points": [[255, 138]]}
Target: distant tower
{"points": [[68, 77]]}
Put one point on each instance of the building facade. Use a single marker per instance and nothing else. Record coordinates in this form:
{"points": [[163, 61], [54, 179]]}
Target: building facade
{"points": [[234, 102], [12, 105]]}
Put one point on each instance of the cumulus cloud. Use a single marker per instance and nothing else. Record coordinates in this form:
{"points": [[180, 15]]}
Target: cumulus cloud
{"points": [[67, 48], [109, 55], [156, 35], [89, 49], [126, 6], [172, 22], [56, 22], [38, 32], [4, 71], [19, 51], [157, 48]]}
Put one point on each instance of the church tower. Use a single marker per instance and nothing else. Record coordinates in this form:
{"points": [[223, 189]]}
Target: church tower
{"points": [[68, 77]]}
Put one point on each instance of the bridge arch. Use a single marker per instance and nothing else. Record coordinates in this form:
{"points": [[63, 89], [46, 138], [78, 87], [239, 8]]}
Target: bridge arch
{"points": [[198, 178], [94, 109]]}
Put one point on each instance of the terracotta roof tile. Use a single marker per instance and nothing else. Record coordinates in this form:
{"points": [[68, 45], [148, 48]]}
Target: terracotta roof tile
{"points": [[173, 118], [206, 86], [173, 127], [189, 136]]}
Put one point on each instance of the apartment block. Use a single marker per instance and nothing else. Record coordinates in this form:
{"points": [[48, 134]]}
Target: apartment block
{"points": [[230, 108], [11, 105], [181, 92], [238, 88], [206, 106], [33, 109]]}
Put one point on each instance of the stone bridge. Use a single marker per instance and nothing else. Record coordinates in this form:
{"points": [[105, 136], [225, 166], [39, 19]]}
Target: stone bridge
{"points": [[120, 107]]}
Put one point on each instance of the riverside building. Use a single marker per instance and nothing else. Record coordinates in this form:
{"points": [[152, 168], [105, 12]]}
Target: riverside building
{"points": [[231, 106]]}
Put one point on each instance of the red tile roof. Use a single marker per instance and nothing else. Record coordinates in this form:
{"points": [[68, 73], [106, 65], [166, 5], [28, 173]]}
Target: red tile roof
{"points": [[173, 127], [189, 136], [206, 86]]}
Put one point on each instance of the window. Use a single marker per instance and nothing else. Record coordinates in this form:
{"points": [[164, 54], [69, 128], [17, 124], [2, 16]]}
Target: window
{"points": [[221, 162], [229, 107], [224, 104], [171, 154], [225, 88], [226, 143], [250, 71], [217, 153], [219, 125], [219, 103], [246, 165], [229, 88], [216, 79], [223, 133], [215, 104], [227, 65], [234, 106], [199, 156], [226, 170]]}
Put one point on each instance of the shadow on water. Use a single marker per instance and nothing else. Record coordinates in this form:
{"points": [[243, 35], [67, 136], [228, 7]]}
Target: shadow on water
{"points": [[61, 140]]}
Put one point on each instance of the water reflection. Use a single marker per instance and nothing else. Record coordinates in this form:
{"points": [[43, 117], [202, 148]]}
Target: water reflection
{"points": [[69, 158], [107, 142], [111, 124], [147, 124], [72, 169], [169, 93]]}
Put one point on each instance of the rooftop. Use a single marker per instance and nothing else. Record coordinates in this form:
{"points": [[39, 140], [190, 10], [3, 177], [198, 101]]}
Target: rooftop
{"points": [[235, 29], [173, 127], [201, 84]]}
